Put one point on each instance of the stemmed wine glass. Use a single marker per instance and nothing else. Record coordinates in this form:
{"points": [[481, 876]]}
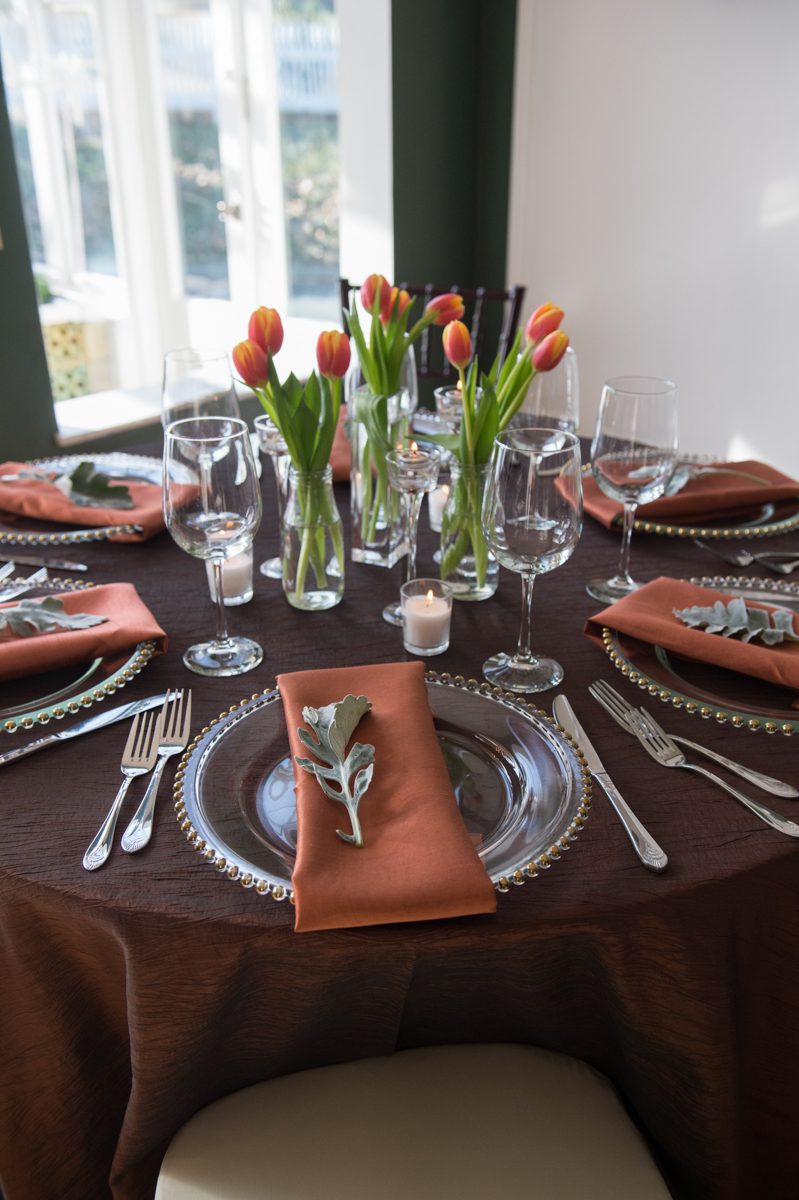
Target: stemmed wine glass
{"points": [[412, 473], [633, 455], [532, 519], [212, 506], [197, 383]]}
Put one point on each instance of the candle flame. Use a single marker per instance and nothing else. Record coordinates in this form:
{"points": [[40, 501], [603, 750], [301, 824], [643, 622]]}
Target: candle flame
{"points": [[414, 448], [428, 600], [459, 386]]}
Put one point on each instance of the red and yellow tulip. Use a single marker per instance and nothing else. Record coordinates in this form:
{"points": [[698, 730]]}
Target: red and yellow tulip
{"points": [[457, 344], [375, 287], [266, 329], [445, 308], [544, 320], [333, 354], [550, 350], [252, 363]]}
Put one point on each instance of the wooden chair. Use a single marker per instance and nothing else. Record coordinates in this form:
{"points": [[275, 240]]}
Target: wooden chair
{"points": [[492, 315]]}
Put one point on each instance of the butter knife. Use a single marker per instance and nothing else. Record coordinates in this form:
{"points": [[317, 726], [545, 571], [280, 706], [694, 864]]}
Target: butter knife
{"points": [[109, 717], [645, 846], [31, 560]]}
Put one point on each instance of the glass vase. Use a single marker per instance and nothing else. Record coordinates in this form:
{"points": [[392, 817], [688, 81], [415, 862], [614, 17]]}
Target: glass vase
{"points": [[378, 424], [312, 544], [467, 564]]}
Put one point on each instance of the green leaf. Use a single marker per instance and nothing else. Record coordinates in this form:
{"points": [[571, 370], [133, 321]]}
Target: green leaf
{"points": [[738, 618], [86, 481], [30, 617], [334, 725]]}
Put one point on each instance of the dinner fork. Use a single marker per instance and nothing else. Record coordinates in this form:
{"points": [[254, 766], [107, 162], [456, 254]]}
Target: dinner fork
{"points": [[22, 585], [138, 758], [175, 726], [619, 708], [745, 558], [667, 753]]}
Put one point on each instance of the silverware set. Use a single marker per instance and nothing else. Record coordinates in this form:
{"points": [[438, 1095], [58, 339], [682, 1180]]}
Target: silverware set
{"points": [[152, 737]]}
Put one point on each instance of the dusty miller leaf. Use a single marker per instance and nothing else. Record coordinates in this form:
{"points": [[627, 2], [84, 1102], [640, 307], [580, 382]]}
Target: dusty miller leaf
{"points": [[96, 488], [332, 727], [30, 617], [736, 618]]}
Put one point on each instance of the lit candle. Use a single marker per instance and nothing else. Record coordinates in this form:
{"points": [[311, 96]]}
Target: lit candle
{"points": [[436, 503], [426, 616], [236, 578]]}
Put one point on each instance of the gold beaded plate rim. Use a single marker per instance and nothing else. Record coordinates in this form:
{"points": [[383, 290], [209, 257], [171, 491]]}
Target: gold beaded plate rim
{"points": [[93, 533], [263, 882], [723, 713], [56, 706]]}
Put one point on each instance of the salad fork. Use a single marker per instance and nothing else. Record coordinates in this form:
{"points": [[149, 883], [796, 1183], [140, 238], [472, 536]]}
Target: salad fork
{"points": [[20, 586], [744, 558], [138, 758], [175, 724]]}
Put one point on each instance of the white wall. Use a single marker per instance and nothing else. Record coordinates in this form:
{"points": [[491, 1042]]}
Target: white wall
{"points": [[655, 196]]}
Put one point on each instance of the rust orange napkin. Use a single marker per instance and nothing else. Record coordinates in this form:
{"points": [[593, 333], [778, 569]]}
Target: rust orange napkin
{"points": [[648, 615], [340, 454], [129, 622], [43, 500], [417, 862], [701, 499]]}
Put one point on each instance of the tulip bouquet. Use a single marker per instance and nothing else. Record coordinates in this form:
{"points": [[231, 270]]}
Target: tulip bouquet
{"points": [[307, 417], [377, 412], [540, 347]]}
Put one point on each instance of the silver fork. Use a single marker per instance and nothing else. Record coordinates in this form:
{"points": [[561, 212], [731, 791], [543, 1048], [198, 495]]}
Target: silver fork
{"points": [[23, 585], [745, 558], [602, 691], [138, 758], [176, 724], [659, 745]]}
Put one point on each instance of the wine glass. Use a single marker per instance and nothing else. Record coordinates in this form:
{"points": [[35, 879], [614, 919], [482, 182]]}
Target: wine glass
{"points": [[532, 519], [554, 397], [633, 455], [197, 383], [412, 473], [271, 443], [212, 507]]}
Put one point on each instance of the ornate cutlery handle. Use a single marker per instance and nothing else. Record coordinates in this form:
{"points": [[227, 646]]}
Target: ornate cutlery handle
{"points": [[21, 751], [140, 829], [100, 847], [775, 787], [643, 843], [775, 820]]}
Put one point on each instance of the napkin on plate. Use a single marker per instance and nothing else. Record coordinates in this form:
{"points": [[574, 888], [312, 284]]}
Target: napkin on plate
{"points": [[42, 500], [417, 861], [648, 614], [702, 499], [129, 622], [340, 455]]}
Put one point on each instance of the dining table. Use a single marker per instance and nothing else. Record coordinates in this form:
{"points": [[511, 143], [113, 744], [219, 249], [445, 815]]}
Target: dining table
{"points": [[134, 995]]}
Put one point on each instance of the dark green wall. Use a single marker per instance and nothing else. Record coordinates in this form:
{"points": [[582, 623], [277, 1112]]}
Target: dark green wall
{"points": [[27, 422]]}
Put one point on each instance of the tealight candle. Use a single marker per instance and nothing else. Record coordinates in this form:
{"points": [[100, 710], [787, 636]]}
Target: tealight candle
{"points": [[236, 578], [436, 503], [426, 616]]}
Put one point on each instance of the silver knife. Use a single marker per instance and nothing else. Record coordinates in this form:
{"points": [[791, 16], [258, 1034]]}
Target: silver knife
{"points": [[30, 560], [109, 717], [643, 843]]}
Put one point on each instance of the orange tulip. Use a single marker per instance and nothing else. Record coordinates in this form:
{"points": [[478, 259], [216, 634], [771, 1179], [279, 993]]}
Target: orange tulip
{"points": [[550, 350], [266, 329], [251, 362], [373, 286], [457, 344], [544, 320], [399, 297], [448, 307], [333, 353]]}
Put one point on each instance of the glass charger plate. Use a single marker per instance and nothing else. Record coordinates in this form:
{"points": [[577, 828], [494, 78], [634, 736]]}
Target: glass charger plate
{"points": [[37, 700], [26, 531], [521, 785], [699, 688]]}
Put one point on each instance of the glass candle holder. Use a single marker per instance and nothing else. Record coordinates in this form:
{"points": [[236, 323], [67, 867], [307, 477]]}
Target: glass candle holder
{"points": [[426, 606], [449, 404], [236, 579], [271, 443], [411, 472], [436, 503]]}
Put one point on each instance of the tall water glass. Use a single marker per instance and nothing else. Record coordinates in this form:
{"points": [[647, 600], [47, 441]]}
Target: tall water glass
{"points": [[633, 455], [271, 443], [553, 400], [197, 383], [212, 506], [532, 519]]}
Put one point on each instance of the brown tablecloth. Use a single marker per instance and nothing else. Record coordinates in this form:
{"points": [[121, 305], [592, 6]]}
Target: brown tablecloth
{"points": [[131, 997]]}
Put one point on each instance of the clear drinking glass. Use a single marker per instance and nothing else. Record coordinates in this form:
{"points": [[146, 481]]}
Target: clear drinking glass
{"points": [[197, 383], [271, 443], [633, 455], [532, 518], [554, 397], [212, 506]]}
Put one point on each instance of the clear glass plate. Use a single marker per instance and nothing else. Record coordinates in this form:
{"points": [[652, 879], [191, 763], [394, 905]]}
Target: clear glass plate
{"points": [[706, 690], [28, 701], [519, 782], [25, 531]]}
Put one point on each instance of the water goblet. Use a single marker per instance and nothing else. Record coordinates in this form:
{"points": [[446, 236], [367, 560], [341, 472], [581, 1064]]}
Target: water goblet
{"points": [[412, 472], [197, 383], [212, 507], [554, 397], [532, 519], [633, 455], [271, 443]]}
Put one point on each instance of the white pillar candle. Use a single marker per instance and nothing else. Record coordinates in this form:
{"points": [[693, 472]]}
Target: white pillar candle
{"points": [[236, 578], [427, 620], [436, 502]]}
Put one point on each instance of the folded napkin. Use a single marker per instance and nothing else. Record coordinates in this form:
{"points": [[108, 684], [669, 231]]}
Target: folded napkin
{"points": [[702, 499], [43, 500], [340, 455], [417, 861], [129, 622], [648, 614]]}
